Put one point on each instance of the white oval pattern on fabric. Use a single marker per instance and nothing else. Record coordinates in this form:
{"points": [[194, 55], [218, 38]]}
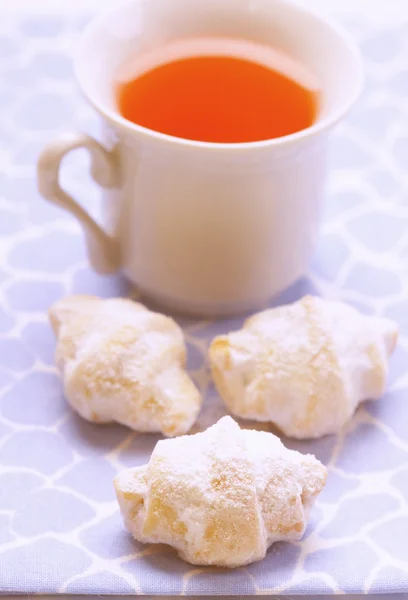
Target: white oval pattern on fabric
{"points": [[60, 530]]}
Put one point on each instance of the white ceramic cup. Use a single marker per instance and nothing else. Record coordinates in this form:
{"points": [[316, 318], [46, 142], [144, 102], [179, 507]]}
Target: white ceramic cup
{"points": [[204, 227]]}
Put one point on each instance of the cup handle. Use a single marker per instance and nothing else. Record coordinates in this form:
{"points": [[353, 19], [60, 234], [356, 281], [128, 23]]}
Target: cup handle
{"points": [[103, 250]]}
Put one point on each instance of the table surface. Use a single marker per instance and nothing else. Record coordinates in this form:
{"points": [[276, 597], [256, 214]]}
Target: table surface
{"points": [[362, 259]]}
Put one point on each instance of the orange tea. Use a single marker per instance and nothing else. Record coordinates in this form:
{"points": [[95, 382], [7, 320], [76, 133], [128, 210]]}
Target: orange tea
{"points": [[216, 90]]}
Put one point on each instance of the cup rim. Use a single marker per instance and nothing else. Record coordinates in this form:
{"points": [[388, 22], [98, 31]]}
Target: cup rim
{"points": [[318, 127]]}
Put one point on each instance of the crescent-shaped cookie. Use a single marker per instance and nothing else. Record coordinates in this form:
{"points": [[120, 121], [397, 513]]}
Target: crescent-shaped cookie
{"points": [[304, 367], [121, 362], [220, 497]]}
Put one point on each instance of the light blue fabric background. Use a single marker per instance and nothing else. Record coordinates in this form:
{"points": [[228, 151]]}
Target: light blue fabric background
{"points": [[59, 527]]}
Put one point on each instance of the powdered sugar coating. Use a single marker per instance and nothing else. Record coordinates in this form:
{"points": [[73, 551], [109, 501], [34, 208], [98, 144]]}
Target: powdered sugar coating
{"points": [[305, 366], [121, 362], [220, 497]]}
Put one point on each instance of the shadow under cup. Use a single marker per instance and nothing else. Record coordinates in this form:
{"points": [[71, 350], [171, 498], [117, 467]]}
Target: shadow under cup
{"points": [[210, 228]]}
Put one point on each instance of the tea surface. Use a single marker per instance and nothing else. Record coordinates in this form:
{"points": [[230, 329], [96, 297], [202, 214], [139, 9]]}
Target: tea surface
{"points": [[218, 98]]}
